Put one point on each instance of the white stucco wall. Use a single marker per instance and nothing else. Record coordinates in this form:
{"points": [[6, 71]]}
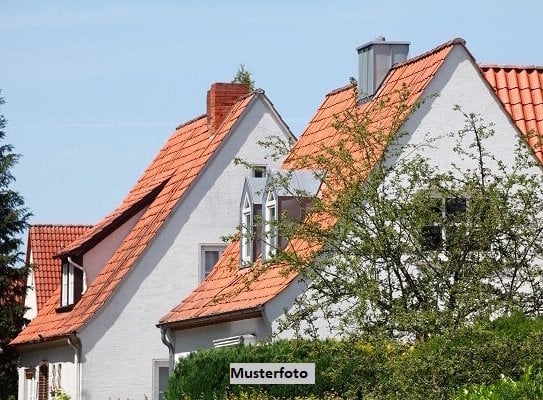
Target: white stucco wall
{"points": [[202, 337], [57, 353], [121, 342]]}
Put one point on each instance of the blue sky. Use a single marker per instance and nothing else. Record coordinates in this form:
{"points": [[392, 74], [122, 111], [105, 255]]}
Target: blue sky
{"points": [[93, 89]]}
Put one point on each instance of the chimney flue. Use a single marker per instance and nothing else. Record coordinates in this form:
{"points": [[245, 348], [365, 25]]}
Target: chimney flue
{"points": [[220, 99], [375, 59]]}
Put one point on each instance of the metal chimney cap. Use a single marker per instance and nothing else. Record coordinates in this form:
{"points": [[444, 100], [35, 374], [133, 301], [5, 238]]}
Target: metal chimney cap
{"points": [[379, 41]]}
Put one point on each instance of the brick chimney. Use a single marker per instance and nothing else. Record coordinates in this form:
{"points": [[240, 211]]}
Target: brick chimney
{"points": [[220, 99]]}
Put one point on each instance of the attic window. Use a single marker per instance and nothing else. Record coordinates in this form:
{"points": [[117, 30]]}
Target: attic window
{"points": [[444, 231], [259, 171], [72, 282], [270, 225], [209, 255], [246, 231]]}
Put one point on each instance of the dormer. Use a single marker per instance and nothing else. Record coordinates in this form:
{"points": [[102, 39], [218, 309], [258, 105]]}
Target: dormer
{"points": [[250, 211], [286, 195]]}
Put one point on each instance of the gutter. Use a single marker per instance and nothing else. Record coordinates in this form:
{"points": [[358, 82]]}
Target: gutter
{"points": [[253, 312], [169, 342]]}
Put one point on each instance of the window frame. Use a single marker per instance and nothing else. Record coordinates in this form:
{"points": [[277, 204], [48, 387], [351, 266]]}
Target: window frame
{"points": [[208, 247], [444, 212], [270, 225], [157, 365], [246, 231], [72, 283]]}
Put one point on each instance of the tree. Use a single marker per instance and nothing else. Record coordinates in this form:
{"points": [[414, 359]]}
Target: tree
{"points": [[13, 221], [244, 76], [395, 246]]}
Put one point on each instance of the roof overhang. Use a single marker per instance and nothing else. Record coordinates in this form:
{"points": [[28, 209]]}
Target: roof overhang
{"points": [[43, 343], [237, 315]]}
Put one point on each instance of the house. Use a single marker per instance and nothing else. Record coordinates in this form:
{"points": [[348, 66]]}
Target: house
{"points": [[44, 241], [96, 337], [235, 304]]}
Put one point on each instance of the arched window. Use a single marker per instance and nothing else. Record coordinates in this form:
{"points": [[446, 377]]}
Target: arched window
{"points": [[246, 231], [270, 225]]}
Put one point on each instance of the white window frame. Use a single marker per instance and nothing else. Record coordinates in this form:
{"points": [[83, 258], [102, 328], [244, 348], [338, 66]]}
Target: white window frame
{"points": [[157, 364], [246, 231], [205, 247], [270, 225], [30, 391], [68, 286]]}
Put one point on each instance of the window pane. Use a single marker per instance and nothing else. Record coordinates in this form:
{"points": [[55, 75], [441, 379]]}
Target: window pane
{"points": [[455, 205], [210, 259], [431, 237], [163, 376]]}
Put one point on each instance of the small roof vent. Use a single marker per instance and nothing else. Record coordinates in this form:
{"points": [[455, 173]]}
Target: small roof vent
{"points": [[375, 59]]}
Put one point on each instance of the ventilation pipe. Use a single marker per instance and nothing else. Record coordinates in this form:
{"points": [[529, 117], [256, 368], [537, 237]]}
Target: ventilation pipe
{"points": [[375, 59]]}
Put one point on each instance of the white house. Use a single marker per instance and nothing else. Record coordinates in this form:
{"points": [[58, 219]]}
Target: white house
{"points": [[96, 336], [230, 305]]}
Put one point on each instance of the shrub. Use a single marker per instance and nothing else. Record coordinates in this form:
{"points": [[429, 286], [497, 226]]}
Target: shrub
{"points": [[378, 370], [529, 386]]}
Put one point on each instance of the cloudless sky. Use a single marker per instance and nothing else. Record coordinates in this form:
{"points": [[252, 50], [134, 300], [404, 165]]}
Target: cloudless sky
{"points": [[94, 89]]}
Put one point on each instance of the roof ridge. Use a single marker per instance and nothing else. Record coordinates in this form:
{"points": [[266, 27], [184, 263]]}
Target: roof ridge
{"points": [[430, 52], [340, 89], [190, 121], [510, 66], [58, 225]]}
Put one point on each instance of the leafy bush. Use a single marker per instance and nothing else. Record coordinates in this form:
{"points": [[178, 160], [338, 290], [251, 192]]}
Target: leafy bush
{"points": [[529, 386], [378, 370]]}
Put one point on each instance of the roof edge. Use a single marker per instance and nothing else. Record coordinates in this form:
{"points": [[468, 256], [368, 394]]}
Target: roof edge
{"points": [[237, 315], [511, 66]]}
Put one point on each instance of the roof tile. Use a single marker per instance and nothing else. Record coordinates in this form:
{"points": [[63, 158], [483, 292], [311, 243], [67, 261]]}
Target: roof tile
{"points": [[45, 241]]}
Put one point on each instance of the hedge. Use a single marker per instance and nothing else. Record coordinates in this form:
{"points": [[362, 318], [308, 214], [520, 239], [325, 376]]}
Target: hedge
{"points": [[379, 370]]}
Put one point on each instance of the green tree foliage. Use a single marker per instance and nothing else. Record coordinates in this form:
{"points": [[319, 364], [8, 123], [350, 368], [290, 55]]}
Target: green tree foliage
{"points": [[416, 248], [13, 221], [244, 76]]}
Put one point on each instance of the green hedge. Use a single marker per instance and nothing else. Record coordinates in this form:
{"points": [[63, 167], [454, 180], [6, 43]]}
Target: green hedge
{"points": [[382, 369], [529, 386]]}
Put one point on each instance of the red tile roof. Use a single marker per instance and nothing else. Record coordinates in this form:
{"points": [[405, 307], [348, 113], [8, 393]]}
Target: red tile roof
{"points": [[520, 89], [45, 241], [229, 289], [160, 188]]}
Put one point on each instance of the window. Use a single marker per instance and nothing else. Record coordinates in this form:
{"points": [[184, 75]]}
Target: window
{"points": [[246, 231], [161, 375], [270, 225], [209, 255], [259, 171], [447, 227], [72, 282]]}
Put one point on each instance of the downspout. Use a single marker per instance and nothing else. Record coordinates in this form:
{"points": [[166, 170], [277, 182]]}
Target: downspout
{"points": [[84, 273], [166, 336], [75, 344]]}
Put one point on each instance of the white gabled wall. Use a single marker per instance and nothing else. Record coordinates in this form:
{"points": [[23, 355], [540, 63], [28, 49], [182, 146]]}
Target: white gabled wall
{"points": [[57, 354], [121, 342]]}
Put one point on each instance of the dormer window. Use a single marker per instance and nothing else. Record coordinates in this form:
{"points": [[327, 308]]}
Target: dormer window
{"points": [[72, 282], [246, 230], [270, 225]]}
